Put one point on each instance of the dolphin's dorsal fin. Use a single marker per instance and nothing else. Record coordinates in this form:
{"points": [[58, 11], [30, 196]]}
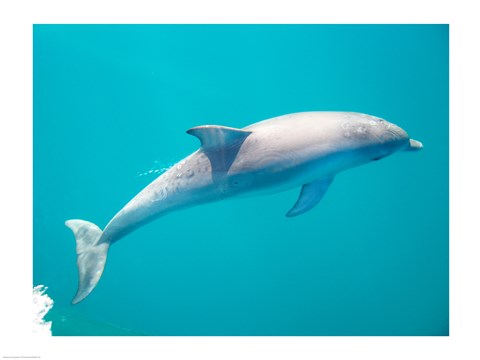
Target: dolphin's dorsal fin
{"points": [[215, 136], [310, 196], [221, 145]]}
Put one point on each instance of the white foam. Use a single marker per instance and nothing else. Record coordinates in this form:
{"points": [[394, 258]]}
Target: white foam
{"points": [[42, 303]]}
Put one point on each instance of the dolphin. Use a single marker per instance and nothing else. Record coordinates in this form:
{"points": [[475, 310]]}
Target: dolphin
{"points": [[304, 149]]}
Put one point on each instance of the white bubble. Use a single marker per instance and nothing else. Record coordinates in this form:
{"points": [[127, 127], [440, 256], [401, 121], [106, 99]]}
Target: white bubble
{"points": [[42, 304]]}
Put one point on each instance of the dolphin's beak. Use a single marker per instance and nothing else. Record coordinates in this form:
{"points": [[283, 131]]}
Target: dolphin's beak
{"points": [[414, 145]]}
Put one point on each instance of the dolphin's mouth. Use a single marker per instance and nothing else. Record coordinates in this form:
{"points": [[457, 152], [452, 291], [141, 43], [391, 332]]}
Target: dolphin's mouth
{"points": [[414, 145]]}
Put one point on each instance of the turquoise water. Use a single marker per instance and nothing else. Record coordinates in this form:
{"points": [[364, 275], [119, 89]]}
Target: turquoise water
{"points": [[111, 107]]}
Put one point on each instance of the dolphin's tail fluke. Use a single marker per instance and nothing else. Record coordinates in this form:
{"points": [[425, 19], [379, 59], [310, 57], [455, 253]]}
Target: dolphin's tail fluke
{"points": [[91, 256]]}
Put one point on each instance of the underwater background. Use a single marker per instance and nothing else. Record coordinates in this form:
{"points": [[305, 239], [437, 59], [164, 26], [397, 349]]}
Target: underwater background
{"points": [[111, 107]]}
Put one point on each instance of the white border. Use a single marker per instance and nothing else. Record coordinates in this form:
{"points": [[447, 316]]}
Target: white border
{"points": [[16, 178]]}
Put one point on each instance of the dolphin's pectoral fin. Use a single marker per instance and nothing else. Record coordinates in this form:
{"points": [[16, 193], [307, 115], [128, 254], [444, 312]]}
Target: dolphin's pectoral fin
{"points": [[310, 196], [220, 144], [215, 136]]}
